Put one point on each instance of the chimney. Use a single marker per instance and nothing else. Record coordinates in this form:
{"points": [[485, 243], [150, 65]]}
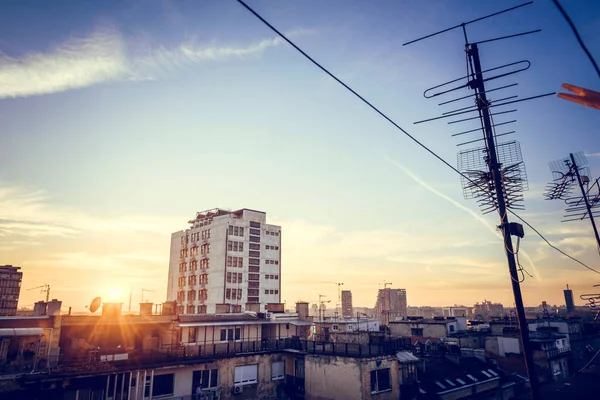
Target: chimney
{"points": [[169, 307], [39, 309], [302, 310], [146, 308], [53, 307]]}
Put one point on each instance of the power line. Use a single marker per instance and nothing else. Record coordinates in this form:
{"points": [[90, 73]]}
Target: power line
{"points": [[395, 124], [579, 40]]}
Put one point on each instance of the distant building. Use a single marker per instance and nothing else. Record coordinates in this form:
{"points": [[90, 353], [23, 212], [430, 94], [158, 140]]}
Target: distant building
{"points": [[487, 309], [347, 304], [456, 311], [439, 327], [569, 303], [391, 305], [226, 261], [10, 289]]}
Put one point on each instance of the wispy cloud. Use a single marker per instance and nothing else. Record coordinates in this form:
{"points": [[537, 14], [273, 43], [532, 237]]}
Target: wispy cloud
{"points": [[106, 56], [592, 154]]}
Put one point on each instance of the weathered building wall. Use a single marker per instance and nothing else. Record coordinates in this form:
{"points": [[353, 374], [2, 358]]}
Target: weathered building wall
{"points": [[429, 330], [330, 377]]}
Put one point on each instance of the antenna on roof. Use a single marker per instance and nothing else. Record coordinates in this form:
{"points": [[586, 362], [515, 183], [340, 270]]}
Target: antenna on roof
{"points": [[496, 172], [566, 172]]}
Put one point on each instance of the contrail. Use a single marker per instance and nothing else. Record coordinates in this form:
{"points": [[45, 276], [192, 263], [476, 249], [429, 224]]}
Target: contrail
{"points": [[475, 215]]}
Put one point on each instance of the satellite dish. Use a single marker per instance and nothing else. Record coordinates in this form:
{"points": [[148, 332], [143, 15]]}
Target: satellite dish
{"points": [[95, 304]]}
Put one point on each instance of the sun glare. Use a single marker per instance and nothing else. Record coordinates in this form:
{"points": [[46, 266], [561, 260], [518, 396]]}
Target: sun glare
{"points": [[114, 294]]}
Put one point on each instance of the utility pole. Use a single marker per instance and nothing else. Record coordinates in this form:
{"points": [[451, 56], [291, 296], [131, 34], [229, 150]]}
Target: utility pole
{"points": [[494, 168], [585, 199]]}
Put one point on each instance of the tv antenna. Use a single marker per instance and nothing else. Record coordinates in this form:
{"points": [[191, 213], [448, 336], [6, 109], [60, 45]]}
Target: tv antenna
{"points": [[565, 173], [496, 171], [45, 289]]}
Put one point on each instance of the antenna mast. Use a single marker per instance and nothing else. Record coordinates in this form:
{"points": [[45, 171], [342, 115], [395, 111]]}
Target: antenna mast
{"points": [[566, 172], [496, 173]]}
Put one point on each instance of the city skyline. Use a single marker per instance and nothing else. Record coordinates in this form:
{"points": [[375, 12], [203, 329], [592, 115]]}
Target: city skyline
{"points": [[116, 128]]}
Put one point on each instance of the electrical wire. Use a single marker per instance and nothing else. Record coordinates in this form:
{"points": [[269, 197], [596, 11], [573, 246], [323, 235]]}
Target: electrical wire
{"points": [[423, 146], [579, 40], [586, 365]]}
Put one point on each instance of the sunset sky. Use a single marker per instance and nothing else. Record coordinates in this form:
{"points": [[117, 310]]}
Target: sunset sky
{"points": [[120, 120]]}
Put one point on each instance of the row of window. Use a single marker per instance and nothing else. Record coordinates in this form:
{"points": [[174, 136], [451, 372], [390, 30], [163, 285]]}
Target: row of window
{"points": [[193, 251], [192, 295], [243, 375], [196, 236], [271, 291], [272, 233], [194, 265], [235, 246], [269, 247], [191, 309], [233, 294], [276, 262], [236, 230], [235, 277], [237, 262], [254, 224], [271, 276]]}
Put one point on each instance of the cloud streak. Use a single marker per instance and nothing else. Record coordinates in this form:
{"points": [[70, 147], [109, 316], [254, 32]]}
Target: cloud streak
{"points": [[106, 56]]}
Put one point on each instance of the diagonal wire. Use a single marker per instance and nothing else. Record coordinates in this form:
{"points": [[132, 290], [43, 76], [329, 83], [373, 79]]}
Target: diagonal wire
{"points": [[579, 40], [396, 125]]}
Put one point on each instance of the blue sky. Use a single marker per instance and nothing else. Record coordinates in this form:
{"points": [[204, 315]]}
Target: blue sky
{"points": [[121, 119]]}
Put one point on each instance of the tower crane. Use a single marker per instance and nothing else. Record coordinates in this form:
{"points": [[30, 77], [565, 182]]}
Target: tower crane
{"points": [[45, 289]]}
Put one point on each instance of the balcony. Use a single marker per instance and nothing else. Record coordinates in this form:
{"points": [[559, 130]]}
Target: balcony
{"points": [[74, 363], [558, 352]]}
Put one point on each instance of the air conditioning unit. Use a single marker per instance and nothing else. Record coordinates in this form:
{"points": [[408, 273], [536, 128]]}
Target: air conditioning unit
{"points": [[238, 389], [268, 315]]}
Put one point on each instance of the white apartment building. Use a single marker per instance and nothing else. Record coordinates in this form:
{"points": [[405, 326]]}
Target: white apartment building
{"points": [[226, 261]]}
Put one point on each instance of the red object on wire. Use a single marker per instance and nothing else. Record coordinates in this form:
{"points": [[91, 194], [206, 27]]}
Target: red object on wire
{"points": [[586, 97]]}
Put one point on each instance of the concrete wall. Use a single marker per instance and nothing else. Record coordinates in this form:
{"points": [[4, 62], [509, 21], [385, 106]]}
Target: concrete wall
{"points": [[328, 377], [500, 345], [436, 330]]}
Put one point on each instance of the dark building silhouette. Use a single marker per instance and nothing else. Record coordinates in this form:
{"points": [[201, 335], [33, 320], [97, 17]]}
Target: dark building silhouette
{"points": [[569, 300]]}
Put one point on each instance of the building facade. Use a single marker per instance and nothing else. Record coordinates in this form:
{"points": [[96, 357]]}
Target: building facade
{"points": [[10, 289], [226, 261], [346, 304], [391, 305]]}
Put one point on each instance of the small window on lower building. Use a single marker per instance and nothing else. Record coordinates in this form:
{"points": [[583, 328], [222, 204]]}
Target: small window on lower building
{"points": [[416, 331], [205, 379], [246, 374], [162, 385], [380, 380], [278, 370]]}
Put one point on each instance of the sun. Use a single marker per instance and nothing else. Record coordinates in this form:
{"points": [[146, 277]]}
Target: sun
{"points": [[114, 294]]}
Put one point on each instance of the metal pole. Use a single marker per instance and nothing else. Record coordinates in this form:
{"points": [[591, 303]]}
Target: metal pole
{"points": [[585, 198], [494, 166]]}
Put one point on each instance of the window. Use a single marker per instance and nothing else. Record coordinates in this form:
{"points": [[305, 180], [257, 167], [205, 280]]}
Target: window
{"points": [[276, 276], [229, 258], [235, 231], [192, 335], [162, 385], [278, 370], [230, 230], [276, 262], [255, 239], [253, 277], [246, 374], [266, 291], [228, 293], [254, 224], [229, 277], [380, 380], [271, 291], [206, 379], [451, 327], [252, 292], [267, 276], [239, 294], [254, 246], [277, 292], [229, 245], [254, 261], [416, 331], [230, 334], [201, 310], [254, 231], [253, 268], [235, 262], [254, 253]]}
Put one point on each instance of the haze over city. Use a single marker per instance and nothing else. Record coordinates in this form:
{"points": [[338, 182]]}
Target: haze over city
{"points": [[118, 125]]}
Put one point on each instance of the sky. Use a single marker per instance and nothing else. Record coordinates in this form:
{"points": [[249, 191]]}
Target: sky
{"points": [[120, 120]]}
